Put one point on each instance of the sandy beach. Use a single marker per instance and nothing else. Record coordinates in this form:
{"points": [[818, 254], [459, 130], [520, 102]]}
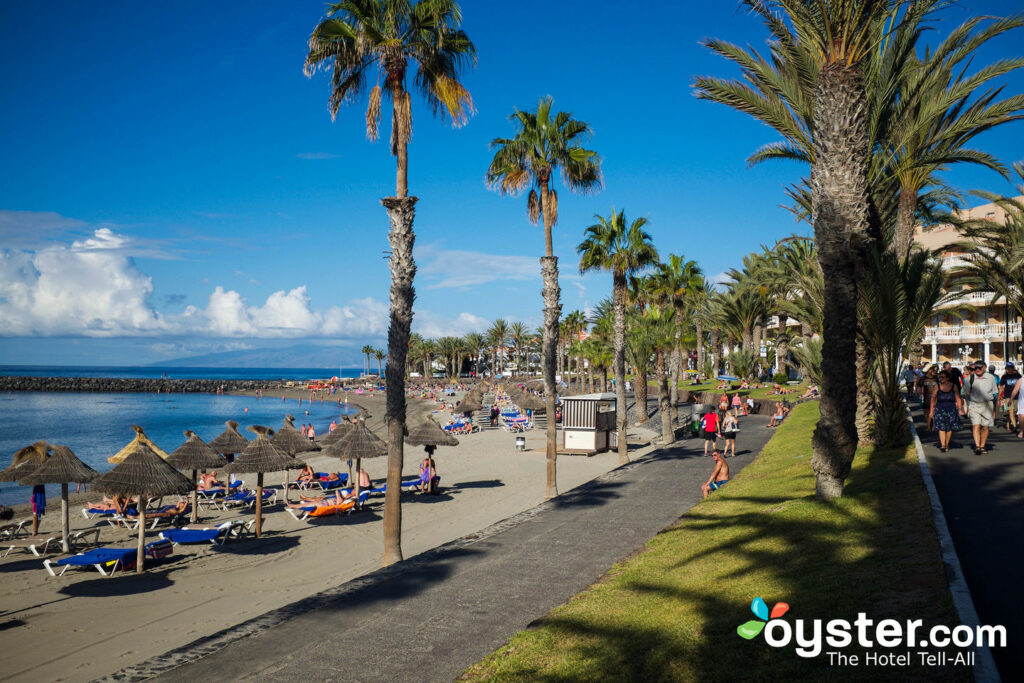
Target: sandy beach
{"points": [[82, 626]]}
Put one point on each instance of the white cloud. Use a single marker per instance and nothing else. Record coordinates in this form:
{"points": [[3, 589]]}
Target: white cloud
{"points": [[432, 326], [34, 229], [452, 268], [93, 288], [63, 291]]}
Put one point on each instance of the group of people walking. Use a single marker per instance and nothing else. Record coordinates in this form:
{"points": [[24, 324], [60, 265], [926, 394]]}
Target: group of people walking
{"points": [[947, 394]]}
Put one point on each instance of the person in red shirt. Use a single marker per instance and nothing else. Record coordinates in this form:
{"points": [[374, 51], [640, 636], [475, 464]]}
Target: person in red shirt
{"points": [[711, 426]]}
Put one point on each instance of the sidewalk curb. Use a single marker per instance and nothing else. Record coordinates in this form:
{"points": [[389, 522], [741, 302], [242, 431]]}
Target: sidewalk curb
{"points": [[985, 670]]}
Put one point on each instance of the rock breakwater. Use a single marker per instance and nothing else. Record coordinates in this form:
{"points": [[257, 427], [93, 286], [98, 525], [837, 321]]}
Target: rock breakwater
{"points": [[132, 385]]}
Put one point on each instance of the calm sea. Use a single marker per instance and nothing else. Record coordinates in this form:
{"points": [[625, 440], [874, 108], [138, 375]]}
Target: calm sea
{"points": [[97, 425], [150, 372]]}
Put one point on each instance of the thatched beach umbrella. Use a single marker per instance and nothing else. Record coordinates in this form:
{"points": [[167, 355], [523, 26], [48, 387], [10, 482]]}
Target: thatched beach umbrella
{"points": [[140, 439], [527, 401], [195, 455], [470, 403], [25, 461], [429, 433], [358, 442], [262, 456], [289, 440], [145, 474], [229, 441], [63, 467], [339, 430]]}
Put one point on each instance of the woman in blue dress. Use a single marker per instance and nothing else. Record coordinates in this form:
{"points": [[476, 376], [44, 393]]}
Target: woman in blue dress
{"points": [[945, 410]]}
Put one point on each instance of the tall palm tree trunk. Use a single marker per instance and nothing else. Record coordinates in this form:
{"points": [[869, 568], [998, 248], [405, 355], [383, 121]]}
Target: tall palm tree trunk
{"points": [[906, 213], [552, 313], [840, 214], [667, 432], [699, 322], [640, 394], [401, 211], [673, 381], [782, 349], [865, 394], [619, 361]]}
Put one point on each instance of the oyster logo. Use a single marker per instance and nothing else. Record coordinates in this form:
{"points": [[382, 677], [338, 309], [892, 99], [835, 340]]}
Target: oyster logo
{"points": [[752, 628]]}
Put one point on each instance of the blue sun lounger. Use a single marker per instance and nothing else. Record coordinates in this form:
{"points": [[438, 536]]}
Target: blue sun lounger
{"points": [[218, 535], [302, 514], [107, 560]]}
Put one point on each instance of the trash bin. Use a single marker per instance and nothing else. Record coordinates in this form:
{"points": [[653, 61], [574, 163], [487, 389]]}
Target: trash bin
{"points": [[520, 443], [697, 411]]}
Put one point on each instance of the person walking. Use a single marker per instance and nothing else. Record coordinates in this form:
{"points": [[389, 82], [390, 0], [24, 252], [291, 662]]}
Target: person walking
{"points": [[926, 387], [909, 378], [955, 376], [980, 390], [946, 408], [1006, 385], [730, 425], [710, 426]]}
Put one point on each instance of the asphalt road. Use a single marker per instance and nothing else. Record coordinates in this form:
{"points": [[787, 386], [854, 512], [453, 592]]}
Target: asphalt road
{"points": [[983, 498]]}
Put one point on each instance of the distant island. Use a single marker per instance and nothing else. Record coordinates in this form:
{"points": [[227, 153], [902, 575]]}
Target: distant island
{"points": [[298, 356]]}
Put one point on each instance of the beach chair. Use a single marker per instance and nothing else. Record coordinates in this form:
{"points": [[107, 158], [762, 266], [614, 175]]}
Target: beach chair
{"points": [[15, 529], [303, 514], [324, 485], [107, 560], [248, 498], [218, 535], [41, 544], [167, 513]]}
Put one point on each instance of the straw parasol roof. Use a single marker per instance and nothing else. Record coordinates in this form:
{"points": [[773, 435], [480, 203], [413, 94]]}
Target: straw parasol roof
{"points": [[429, 433], [63, 467], [527, 401], [140, 439], [289, 440], [470, 403], [144, 473], [357, 442], [194, 454], [25, 461], [261, 455], [339, 430], [229, 441], [142, 470]]}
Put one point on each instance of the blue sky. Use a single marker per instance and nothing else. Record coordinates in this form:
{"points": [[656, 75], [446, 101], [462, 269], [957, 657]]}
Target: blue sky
{"points": [[171, 184]]}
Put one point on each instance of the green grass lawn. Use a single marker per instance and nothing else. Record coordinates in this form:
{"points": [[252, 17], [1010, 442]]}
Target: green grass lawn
{"points": [[763, 393], [671, 611]]}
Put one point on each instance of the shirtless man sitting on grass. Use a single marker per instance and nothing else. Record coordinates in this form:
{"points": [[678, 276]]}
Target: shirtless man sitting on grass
{"points": [[719, 475]]}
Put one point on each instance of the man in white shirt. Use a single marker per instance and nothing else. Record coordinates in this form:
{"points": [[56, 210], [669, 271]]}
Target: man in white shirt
{"points": [[979, 391]]}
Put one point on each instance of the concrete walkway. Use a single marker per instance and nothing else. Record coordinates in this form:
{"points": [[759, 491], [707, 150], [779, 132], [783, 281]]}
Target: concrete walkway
{"points": [[434, 615], [983, 498]]}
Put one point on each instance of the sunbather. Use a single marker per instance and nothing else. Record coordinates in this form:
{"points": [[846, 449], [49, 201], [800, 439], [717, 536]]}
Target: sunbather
{"points": [[166, 511], [113, 504], [208, 480], [428, 471], [339, 497], [780, 413], [306, 475]]}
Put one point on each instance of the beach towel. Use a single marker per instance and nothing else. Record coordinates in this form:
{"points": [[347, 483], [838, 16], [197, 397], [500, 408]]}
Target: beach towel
{"points": [[38, 500]]}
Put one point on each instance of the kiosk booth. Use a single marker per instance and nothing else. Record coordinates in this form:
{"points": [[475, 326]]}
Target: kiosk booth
{"points": [[588, 423]]}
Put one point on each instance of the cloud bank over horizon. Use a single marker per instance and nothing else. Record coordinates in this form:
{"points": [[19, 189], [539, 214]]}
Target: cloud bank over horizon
{"points": [[93, 288]]}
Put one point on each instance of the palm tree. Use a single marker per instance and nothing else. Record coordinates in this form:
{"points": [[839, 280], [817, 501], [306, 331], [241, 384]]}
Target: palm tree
{"points": [[900, 295], [367, 351], [518, 333], [832, 41], [639, 351], [380, 356], [624, 249], [497, 337], [673, 283], [358, 38], [575, 325], [543, 145], [474, 343], [661, 331]]}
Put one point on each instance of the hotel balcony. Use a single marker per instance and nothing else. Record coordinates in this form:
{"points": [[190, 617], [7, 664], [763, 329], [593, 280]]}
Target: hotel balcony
{"points": [[953, 334]]}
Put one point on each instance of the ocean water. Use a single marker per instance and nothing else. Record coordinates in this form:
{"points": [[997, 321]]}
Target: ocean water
{"points": [[151, 372], [97, 425]]}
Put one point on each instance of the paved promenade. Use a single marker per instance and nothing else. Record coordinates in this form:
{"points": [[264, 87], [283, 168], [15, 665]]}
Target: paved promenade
{"points": [[983, 497], [431, 617]]}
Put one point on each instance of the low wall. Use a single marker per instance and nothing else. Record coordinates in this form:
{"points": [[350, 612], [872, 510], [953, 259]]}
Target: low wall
{"points": [[130, 385]]}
